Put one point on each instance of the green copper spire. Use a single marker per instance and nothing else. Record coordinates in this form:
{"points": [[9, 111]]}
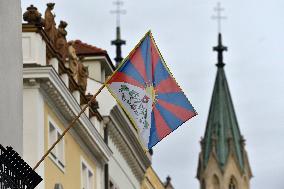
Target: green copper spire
{"points": [[222, 134]]}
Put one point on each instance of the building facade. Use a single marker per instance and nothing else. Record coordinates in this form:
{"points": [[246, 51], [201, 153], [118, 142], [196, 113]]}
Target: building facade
{"points": [[102, 150], [51, 99]]}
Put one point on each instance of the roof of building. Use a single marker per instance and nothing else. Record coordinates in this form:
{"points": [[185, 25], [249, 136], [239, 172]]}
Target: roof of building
{"points": [[87, 49], [222, 130], [84, 49]]}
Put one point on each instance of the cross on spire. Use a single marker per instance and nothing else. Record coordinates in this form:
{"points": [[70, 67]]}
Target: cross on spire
{"points": [[219, 16], [118, 42], [219, 49], [118, 11]]}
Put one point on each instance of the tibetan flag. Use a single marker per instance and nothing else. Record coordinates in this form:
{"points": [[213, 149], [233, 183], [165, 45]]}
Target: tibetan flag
{"points": [[144, 87]]}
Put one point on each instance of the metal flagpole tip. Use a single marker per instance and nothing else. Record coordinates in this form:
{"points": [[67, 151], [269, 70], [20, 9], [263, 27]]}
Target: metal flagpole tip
{"points": [[15, 173]]}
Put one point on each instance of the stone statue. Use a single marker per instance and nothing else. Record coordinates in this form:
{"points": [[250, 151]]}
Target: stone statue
{"points": [[83, 74], [73, 59], [61, 43], [50, 25], [32, 16]]}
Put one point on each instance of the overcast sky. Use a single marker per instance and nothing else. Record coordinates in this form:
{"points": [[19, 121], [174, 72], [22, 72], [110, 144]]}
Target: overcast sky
{"points": [[185, 34]]}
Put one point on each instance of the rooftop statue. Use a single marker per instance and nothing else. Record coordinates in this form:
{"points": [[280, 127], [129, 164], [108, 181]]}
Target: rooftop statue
{"points": [[32, 16], [83, 74], [61, 42], [73, 59], [50, 25]]}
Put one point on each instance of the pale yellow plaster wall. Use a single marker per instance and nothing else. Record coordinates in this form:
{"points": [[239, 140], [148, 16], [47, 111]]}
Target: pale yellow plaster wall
{"points": [[95, 69], [71, 176], [151, 180]]}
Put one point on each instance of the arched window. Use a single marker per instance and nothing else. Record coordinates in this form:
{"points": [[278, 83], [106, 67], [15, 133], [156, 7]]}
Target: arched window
{"points": [[203, 184], [216, 183], [233, 183], [58, 186]]}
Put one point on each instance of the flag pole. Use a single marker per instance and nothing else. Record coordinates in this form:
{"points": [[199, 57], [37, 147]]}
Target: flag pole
{"points": [[69, 126]]}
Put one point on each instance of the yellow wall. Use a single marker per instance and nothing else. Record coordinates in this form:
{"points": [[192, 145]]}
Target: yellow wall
{"points": [[71, 177], [151, 180]]}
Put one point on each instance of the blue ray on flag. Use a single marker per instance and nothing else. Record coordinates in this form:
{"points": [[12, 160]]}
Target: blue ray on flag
{"points": [[144, 87]]}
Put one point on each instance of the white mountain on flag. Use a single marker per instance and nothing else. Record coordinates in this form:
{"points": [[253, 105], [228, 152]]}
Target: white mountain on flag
{"points": [[138, 103]]}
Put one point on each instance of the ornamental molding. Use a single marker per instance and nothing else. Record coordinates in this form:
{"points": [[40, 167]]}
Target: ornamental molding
{"points": [[119, 142], [57, 94], [125, 138]]}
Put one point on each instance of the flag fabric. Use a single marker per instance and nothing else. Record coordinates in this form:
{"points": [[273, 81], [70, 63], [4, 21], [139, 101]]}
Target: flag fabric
{"points": [[145, 88]]}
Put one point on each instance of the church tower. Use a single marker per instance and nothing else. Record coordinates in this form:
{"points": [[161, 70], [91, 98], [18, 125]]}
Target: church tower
{"points": [[223, 161]]}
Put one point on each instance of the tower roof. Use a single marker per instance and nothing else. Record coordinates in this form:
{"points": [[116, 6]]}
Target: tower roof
{"points": [[222, 131]]}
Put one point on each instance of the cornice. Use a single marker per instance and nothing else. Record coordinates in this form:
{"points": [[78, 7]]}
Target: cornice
{"points": [[105, 62], [132, 137], [119, 143], [51, 52], [126, 139], [100, 56], [54, 88]]}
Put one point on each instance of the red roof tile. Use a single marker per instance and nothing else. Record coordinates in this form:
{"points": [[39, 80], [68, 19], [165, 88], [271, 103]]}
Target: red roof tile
{"points": [[86, 49]]}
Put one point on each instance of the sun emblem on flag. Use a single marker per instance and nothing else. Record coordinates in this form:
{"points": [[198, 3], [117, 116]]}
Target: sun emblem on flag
{"points": [[150, 90]]}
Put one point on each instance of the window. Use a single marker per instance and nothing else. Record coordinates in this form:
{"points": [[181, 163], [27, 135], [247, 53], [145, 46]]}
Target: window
{"points": [[57, 153], [216, 183], [58, 186], [87, 176], [233, 183]]}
